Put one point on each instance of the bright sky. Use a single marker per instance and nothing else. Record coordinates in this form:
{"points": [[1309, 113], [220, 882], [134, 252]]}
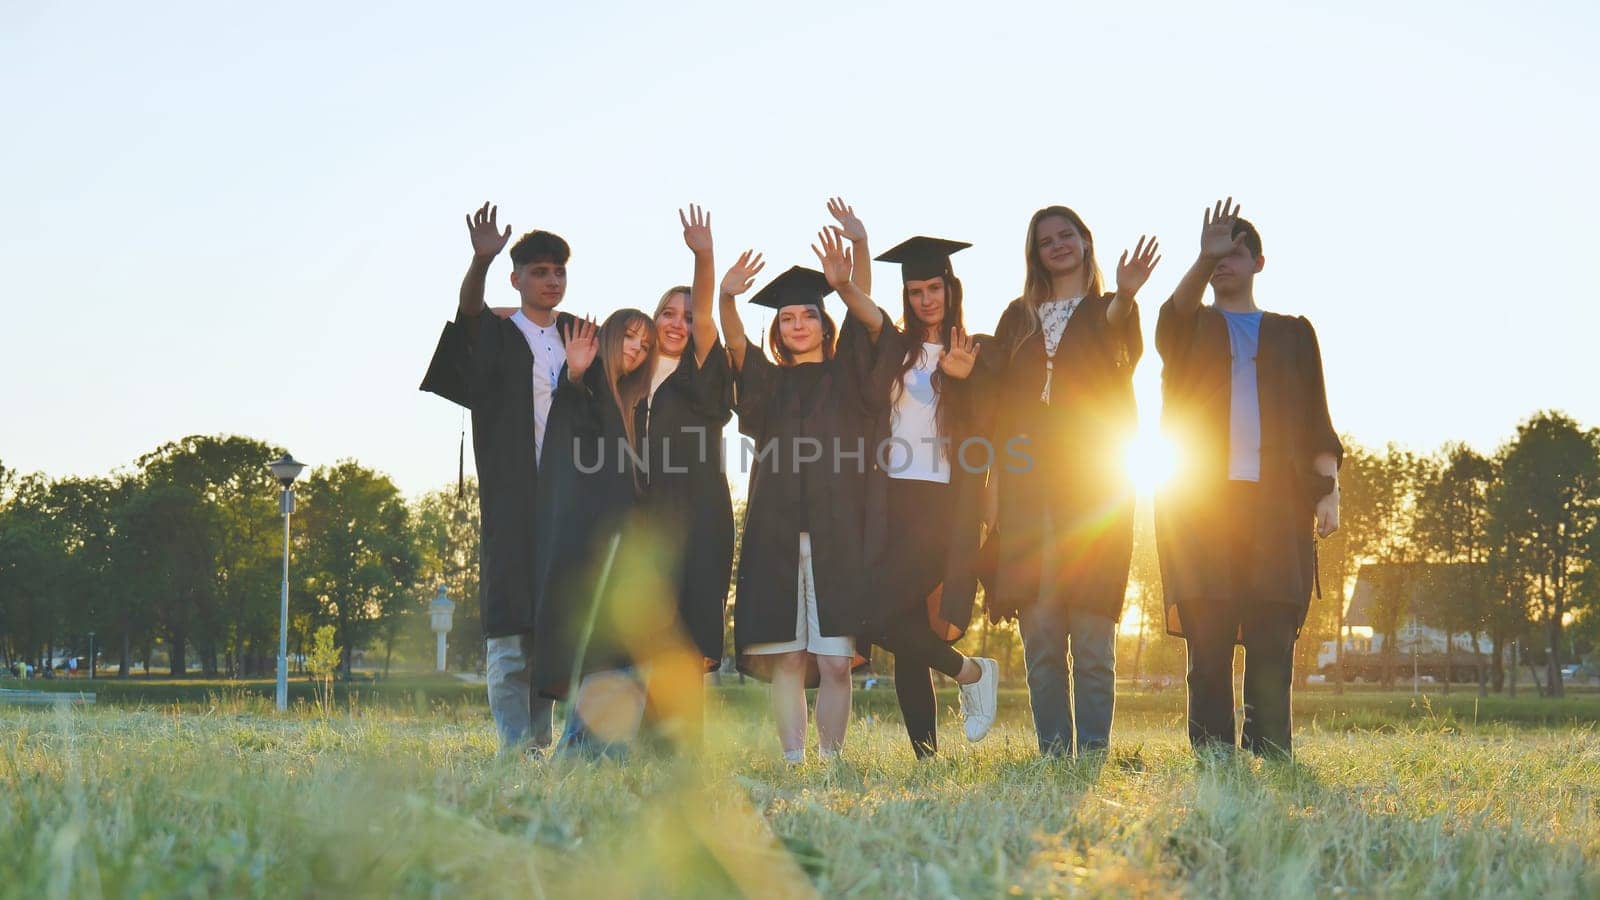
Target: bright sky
{"points": [[224, 218]]}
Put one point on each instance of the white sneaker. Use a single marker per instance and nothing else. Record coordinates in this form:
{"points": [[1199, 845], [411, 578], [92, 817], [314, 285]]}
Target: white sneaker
{"points": [[795, 757], [978, 700]]}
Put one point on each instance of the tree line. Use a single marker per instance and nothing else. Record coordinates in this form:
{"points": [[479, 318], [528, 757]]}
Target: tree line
{"points": [[178, 560]]}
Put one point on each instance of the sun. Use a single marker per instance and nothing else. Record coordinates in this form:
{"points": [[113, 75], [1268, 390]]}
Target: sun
{"points": [[1149, 460]]}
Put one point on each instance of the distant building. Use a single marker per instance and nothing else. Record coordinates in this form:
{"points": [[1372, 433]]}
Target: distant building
{"points": [[1421, 590]]}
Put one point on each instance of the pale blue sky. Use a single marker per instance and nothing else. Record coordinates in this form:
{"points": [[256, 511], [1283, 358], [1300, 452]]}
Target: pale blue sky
{"points": [[229, 219]]}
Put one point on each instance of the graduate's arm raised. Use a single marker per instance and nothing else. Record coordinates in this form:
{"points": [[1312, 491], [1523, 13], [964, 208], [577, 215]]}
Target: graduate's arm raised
{"points": [[837, 261], [740, 276], [487, 241], [697, 236], [1216, 241], [1131, 276], [850, 227]]}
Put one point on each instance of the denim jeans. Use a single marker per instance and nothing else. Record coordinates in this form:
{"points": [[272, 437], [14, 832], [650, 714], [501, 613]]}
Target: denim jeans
{"points": [[1073, 695], [520, 715], [1070, 696]]}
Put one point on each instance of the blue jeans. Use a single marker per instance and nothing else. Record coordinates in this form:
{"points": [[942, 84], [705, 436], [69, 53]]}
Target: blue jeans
{"points": [[1070, 696], [520, 715]]}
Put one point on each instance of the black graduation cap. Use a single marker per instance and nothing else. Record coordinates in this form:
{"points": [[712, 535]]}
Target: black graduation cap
{"points": [[796, 287], [923, 257]]}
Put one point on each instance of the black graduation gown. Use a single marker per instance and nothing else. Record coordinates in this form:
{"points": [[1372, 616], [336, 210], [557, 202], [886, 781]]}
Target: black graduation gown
{"points": [[964, 513], [780, 407], [687, 499], [1075, 444], [1197, 397], [487, 367], [579, 513]]}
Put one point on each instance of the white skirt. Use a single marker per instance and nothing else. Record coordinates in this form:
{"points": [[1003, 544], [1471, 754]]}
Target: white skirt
{"points": [[808, 634]]}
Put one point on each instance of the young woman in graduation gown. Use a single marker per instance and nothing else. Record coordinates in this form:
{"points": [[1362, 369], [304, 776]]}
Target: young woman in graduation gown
{"points": [[687, 503], [800, 582], [923, 510], [1059, 375], [590, 486]]}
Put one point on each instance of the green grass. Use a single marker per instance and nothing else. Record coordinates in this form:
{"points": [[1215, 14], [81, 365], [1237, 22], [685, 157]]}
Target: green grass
{"points": [[223, 797]]}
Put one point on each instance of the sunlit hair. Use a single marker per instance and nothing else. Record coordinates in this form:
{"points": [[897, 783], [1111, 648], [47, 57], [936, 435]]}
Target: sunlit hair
{"points": [[666, 300], [626, 390], [1037, 285], [781, 350], [912, 333]]}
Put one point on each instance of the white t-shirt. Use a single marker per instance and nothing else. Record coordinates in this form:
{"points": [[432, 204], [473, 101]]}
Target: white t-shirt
{"points": [[549, 355], [665, 366], [915, 452]]}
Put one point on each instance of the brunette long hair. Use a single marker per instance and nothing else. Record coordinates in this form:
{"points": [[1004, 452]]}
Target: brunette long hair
{"points": [[911, 337]]}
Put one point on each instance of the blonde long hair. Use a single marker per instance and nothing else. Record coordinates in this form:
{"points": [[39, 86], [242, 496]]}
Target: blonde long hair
{"points": [[661, 305], [626, 390], [1037, 285]]}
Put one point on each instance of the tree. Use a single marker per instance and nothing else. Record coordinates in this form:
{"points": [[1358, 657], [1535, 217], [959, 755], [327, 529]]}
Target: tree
{"points": [[1377, 496], [1550, 501], [359, 561], [229, 475], [1453, 528], [446, 526], [164, 555]]}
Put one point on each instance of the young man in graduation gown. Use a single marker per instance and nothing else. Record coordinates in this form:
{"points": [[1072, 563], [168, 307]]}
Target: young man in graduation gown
{"points": [[505, 371], [1243, 399]]}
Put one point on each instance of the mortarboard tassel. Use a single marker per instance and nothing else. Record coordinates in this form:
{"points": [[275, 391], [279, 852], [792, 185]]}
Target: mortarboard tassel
{"points": [[461, 461]]}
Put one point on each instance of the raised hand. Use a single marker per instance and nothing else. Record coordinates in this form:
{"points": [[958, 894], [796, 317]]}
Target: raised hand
{"points": [[582, 338], [837, 259], [1216, 237], [742, 274], [849, 226], [487, 238], [696, 229], [1132, 274], [957, 362]]}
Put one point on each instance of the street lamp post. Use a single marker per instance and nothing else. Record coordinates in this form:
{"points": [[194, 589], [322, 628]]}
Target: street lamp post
{"points": [[440, 612], [286, 470], [91, 656]]}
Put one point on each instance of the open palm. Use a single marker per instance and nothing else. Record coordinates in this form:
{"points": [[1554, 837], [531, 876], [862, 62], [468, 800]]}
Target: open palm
{"points": [[957, 362], [836, 259], [849, 226], [1216, 236], [1133, 273], [583, 342], [487, 238], [742, 273]]}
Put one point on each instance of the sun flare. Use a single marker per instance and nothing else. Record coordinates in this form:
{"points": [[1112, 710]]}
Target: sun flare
{"points": [[1149, 460]]}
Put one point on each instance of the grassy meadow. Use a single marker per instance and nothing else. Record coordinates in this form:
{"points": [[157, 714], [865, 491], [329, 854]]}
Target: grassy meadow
{"points": [[402, 795]]}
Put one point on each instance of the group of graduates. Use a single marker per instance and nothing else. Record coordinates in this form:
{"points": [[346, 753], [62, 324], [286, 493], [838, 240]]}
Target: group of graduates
{"points": [[896, 463]]}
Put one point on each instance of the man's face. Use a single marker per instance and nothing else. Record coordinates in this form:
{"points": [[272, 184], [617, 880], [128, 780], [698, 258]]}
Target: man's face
{"points": [[542, 283], [1236, 270]]}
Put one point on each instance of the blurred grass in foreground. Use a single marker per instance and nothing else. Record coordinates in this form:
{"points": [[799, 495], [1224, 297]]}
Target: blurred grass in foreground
{"points": [[225, 798]]}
